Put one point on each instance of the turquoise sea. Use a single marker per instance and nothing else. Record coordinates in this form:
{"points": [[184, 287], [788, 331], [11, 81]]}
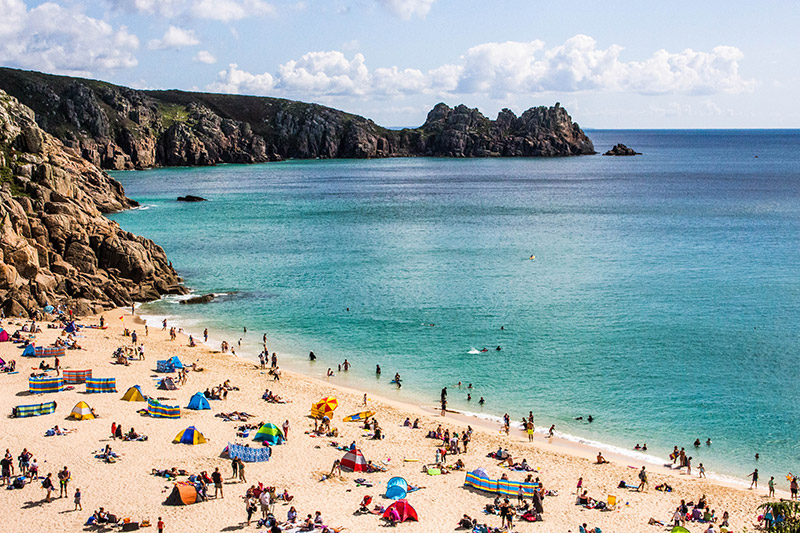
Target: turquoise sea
{"points": [[664, 297]]}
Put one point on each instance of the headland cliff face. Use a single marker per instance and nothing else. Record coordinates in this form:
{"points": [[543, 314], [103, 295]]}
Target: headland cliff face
{"points": [[55, 244], [116, 127]]}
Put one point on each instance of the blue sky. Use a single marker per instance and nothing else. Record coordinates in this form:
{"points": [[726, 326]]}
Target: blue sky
{"points": [[701, 64]]}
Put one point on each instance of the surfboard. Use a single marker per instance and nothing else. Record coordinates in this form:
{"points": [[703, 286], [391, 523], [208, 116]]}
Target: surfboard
{"points": [[363, 415]]}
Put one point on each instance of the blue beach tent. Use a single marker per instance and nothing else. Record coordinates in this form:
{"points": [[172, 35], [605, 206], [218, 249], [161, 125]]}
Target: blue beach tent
{"points": [[198, 402], [396, 488], [176, 362]]}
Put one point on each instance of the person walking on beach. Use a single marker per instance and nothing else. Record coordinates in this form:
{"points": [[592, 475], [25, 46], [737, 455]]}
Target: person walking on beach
{"points": [[134, 337], [205, 335], [78, 500], [285, 429], [47, 485], [702, 470], [642, 480], [754, 478], [216, 477], [235, 468], [63, 480], [241, 470], [7, 464], [771, 484], [793, 488]]}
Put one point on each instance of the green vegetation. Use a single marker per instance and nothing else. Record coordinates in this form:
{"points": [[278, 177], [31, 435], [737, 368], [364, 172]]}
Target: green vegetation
{"points": [[790, 511], [172, 113]]}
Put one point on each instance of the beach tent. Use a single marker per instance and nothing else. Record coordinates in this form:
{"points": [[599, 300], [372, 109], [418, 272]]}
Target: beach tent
{"points": [[75, 377], [324, 407], [47, 351], [189, 435], [248, 455], [270, 433], [134, 394], [165, 366], [158, 410], [183, 493], [167, 384], [71, 327], [29, 351], [353, 461], [81, 411], [101, 385], [198, 402], [403, 509], [48, 309], [396, 488], [24, 411], [45, 384], [679, 529], [4, 336], [176, 362]]}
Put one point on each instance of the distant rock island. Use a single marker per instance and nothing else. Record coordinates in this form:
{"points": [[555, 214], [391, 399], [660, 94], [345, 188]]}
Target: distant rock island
{"points": [[191, 198], [118, 128], [622, 150]]}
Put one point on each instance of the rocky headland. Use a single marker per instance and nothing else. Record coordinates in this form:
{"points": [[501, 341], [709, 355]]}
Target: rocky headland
{"points": [[117, 128], [55, 244]]}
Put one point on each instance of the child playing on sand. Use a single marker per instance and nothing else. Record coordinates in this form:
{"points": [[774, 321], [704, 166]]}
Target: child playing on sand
{"points": [[78, 500]]}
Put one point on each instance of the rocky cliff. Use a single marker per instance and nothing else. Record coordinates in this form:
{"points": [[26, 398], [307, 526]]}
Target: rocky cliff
{"points": [[55, 244], [120, 128]]}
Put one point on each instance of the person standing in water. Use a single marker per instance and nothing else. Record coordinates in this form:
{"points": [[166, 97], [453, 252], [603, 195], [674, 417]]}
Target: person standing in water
{"points": [[754, 478]]}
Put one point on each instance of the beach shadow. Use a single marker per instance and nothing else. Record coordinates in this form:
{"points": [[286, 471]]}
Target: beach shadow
{"points": [[25, 393], [234, 528], [32, 504]]}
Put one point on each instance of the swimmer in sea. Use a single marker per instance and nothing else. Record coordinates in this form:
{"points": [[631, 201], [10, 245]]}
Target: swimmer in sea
{"points": [[469, 386], [481, 401], [378, 369], [498, 349], [311, 356], [469, 397], [590, 419], [397, 380]]}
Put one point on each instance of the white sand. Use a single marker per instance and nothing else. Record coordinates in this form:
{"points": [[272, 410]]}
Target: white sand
{"points": [[127, 488]]}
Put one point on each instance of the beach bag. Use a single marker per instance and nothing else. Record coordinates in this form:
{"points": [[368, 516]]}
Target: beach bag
{"points": [[19, 483]]}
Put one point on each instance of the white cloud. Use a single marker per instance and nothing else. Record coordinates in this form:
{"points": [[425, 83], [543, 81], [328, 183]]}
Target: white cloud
{"points": [[234, 80], [222, 10], [406, 9], [62, 40], [204, 56], [174, 38], [500, 70]]}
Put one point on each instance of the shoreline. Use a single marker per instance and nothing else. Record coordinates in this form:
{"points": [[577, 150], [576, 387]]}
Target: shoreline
{"points": [[300, 464], [569, 444]]}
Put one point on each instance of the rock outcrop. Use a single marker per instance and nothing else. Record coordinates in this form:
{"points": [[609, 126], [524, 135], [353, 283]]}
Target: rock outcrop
{"points": [[622, 150], [120, 128], [55, 244], [191, 198], [204, 299]]}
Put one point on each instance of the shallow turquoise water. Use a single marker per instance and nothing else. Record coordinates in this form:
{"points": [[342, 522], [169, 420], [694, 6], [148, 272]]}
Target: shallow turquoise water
{"points": [[664, 298]]}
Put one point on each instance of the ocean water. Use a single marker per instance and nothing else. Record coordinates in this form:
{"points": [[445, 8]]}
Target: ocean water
{"points": [[664, 297]]}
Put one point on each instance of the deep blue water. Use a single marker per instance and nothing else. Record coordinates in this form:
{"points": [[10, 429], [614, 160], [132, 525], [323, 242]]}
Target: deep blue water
{"points": [[664, 297]]}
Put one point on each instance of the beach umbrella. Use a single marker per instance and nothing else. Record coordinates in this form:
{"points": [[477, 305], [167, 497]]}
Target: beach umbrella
{"points": [[189, 435], [324, 407], [48, 309], [270, 433]]}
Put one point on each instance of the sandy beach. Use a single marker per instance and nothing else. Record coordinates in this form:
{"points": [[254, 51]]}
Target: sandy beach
{"points": [[128, 489]]}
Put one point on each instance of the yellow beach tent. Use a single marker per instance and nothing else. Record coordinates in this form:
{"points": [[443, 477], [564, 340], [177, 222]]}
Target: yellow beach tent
{"points": [[189, 435], [81, 411], [134, 394]]}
